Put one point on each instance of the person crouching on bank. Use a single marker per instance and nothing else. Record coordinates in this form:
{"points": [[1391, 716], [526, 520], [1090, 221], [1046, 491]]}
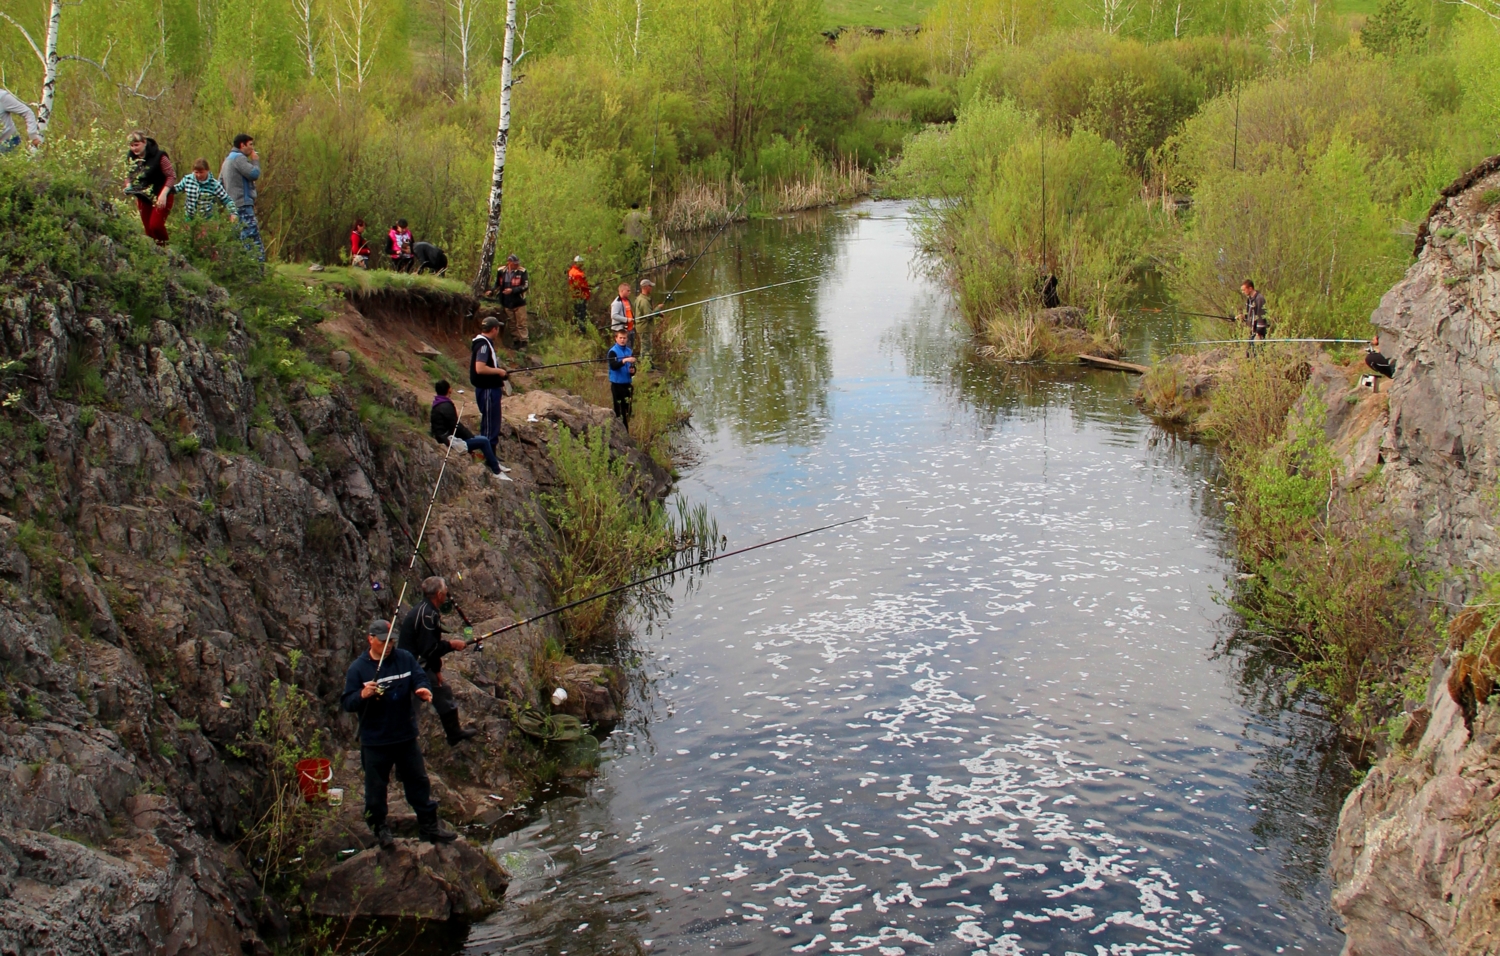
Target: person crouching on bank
{"points": [[382, 687]]}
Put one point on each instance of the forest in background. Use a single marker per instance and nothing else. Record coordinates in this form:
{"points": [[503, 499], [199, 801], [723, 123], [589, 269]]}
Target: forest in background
{"points": [[1294, 140]]}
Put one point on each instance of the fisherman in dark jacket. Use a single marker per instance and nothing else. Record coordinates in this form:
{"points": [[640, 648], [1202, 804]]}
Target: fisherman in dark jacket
{"points": [[422, 632], [446, 427], [1254, 314], [382, 687]]}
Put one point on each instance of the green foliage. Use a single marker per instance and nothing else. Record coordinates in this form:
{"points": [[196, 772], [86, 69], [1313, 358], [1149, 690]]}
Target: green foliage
{"points": [[990, 242], [605, 531], [1396, 27]]}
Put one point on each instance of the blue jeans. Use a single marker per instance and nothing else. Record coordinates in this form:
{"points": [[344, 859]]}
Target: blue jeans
{"points": [[482, 445], [250, 232], [9, 144], [488, 400]]}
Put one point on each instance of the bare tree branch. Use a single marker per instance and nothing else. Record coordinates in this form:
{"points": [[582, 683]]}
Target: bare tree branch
{"points": [[32, 43]]}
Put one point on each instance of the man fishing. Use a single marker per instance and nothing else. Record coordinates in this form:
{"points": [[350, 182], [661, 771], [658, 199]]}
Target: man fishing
{"points": [[643, 311], [380, 687], [422, 631], [446, 427], [488, 378], [621, 314], [1254, 314]]}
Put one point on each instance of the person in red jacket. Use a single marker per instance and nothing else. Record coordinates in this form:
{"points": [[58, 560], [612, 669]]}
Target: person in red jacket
{"points": [[359, 247], [578, 287]]}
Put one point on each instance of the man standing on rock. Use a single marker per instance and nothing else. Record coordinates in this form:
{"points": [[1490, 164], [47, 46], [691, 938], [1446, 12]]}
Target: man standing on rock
{"points": [[422, 631], [643, 311], [578, 289], [488, 378], [382, 687], [238, 173], [512, 283]]}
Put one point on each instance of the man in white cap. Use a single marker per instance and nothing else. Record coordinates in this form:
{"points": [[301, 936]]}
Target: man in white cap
{"points": [[578, 288], [643, 312]]}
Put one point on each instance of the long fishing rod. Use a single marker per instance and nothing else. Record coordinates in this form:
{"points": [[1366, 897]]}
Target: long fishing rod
{"points": [[538, 368], [1242, 341], [727, 220], [1206, 315], [730, 295], [426, 563], [662, 574], [416, 547]]}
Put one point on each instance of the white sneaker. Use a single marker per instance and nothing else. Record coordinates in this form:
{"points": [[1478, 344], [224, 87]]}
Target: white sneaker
{"points": [[501, 477], [504, 469]]}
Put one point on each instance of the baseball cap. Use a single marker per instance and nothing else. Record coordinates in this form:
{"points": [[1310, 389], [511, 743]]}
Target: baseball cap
{"points": [[578, 259], [379, 628], [490, 322], [647, 282], [512, 258]]}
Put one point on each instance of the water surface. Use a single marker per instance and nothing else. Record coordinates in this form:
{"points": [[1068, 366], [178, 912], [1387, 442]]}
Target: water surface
{"points": [[994, 718]]}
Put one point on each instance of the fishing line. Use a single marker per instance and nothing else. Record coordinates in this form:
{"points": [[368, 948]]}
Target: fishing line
{"points": [[417, 544], [673, 291], [1206, 315], [662, 574], [730, 295]]}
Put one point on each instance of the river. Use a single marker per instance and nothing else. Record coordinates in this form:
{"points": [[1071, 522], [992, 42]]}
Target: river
{"points": [[1003, 715]]}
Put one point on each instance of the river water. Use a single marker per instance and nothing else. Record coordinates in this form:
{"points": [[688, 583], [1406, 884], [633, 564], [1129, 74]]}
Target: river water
{"points": [[1002, 715]]}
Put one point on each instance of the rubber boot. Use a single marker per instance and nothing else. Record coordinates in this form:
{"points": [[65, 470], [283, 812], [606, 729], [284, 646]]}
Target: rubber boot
{"points": [[431, 830], [456, 734]]}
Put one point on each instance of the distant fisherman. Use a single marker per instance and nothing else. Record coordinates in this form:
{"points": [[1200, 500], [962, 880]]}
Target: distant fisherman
{"points": [[1377, 362], [1254, 314], [383, 696], [578, 288], [513, 282], [621, 372], [422, 632], [643, 311], [621, 315]]}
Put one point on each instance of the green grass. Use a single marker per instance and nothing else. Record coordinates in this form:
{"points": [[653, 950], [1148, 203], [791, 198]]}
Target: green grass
{"points": [[372, 280], [885, 14]]}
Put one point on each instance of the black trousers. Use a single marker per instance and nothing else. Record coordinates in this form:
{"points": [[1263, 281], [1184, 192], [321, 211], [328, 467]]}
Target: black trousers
{"points": [[406, 760], [581, 314], [443, 701], [624, 396], [1379, 363]]}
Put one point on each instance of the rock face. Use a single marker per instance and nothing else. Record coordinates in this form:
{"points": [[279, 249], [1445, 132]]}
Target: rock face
{"points": [[1415, 869], [1441, 325], [1416, 872], [183, 532], [413, 880]]}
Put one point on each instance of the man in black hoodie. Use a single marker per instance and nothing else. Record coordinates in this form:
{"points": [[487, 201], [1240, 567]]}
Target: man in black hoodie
{"points": [[382, 687], [422, 632], [446, 427]]}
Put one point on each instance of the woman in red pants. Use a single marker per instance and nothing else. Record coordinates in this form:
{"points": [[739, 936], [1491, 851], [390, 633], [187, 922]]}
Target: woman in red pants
{"points": [[151, 181]]}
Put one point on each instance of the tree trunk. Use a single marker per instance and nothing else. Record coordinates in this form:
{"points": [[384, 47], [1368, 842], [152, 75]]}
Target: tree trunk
{"points": [[502, 135], [49, 68]]}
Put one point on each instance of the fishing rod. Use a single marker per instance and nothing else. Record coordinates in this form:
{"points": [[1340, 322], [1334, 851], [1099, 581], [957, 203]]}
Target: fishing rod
{"points": [[1206, 315], [728, 219], [730, 295], [1242, 341], [416, 548], [538, 368], [662, 574], [428, 564]]}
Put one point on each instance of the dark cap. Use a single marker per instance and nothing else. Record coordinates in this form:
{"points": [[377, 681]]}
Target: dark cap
{"points": [[490, 322], [379, 628], [512, 258]]}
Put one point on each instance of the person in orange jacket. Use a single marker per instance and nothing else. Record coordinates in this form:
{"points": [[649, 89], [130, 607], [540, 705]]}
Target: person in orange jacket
{"points": [[578, 286]]}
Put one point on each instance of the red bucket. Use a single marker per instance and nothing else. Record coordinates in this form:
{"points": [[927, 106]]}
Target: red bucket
{"points": [[313, 777]]}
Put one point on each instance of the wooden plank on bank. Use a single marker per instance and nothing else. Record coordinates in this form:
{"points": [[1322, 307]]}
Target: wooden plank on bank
{"points": [[1099, 361]]}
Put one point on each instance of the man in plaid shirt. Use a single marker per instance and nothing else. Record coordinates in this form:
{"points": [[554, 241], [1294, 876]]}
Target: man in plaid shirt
{"points": [[203, 193]]}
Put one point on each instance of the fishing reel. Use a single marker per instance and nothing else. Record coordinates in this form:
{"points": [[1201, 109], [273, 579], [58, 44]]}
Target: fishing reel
{"points": [[447, 606]]}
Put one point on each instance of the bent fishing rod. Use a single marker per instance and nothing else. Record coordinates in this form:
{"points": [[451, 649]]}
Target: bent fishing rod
{"points": [[662, 574], [729, 295]]}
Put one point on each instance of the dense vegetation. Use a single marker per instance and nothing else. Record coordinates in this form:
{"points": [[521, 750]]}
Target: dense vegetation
{"points": [[1287, 142]]}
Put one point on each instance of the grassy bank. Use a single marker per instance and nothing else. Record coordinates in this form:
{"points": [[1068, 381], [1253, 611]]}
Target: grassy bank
{"points": [[1326, 580]]}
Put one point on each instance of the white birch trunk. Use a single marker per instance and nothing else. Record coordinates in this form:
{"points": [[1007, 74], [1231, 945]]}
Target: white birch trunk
{"points": [[502, 136], [49, 69]]}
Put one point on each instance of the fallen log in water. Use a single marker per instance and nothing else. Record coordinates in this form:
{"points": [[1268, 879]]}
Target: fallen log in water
{"points": [[1099, 361]]}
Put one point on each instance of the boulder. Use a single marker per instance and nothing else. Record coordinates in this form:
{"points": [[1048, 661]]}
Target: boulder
{"points": [[1066, 317], [591, 693], [412, 880]]}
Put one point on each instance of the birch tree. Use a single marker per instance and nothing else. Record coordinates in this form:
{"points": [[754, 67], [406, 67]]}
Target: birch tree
{"points": [[47, 54], [502, 138], [308, 41], [357, 36], [466, 37]]}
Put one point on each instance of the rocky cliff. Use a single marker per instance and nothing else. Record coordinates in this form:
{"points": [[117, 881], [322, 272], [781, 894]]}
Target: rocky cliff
{"points": [[1416, 869], [192, 509]]}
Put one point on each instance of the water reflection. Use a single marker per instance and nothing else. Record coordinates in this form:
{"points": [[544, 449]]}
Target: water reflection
{"points": [[990, 720]]}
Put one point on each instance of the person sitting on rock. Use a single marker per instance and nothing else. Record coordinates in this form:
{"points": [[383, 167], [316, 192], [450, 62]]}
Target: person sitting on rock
{"points": [[422, 632], [446, 427], [1378, 363], [379, 687]]}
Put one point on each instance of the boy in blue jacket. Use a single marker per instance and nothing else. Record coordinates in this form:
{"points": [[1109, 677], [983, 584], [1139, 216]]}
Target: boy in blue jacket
{"points": [[383, 694], [621, 371]]}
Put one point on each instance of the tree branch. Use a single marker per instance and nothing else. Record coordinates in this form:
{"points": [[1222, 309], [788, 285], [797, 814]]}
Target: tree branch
{"points": [[32, 43]]}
